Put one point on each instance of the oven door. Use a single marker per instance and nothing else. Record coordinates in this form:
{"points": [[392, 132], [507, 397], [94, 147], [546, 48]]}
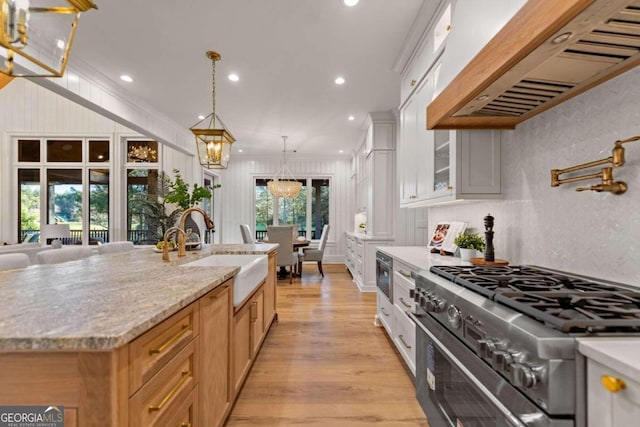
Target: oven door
{"points": [[457, 389]]}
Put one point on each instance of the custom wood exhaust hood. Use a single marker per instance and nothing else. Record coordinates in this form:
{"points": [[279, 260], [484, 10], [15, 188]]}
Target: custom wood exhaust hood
{"points": [[547, 53]]}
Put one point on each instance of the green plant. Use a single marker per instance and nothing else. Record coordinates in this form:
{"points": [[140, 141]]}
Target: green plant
{"points": [[470, 241], [177, 192]]}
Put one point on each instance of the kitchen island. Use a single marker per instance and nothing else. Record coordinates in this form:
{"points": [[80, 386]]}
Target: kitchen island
{"points": [[127, 339]]}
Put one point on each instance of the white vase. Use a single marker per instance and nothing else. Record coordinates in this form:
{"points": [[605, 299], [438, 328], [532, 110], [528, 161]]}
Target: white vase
{"points": [[467, 254]]}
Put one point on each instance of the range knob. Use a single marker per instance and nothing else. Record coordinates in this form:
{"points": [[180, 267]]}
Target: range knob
{"points": [[501, 360], [438, 305], [488, 346], [523, 376], [454, 316]]}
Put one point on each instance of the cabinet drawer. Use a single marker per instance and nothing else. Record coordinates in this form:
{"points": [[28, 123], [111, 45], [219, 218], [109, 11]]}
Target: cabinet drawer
{"points": [[160, 398], [152, 350], [401, 287], [187, 413], [404, 337], [385, 313]]}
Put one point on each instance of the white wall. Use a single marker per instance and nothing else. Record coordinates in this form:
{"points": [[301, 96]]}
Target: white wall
{"points": [[596, 234], [238, 195]]}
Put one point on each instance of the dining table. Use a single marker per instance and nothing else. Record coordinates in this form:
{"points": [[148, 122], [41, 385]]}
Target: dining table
{"points": [[297, 244]]}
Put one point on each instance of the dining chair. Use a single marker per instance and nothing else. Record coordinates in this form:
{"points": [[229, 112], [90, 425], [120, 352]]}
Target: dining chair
{"points": [[316, 254], [283, 235], [11, 261], [115, 247], [56, 256], [247, 237]]}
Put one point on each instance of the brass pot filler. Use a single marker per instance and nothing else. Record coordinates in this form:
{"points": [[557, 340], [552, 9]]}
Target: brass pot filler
{"points": [[606, 173]]}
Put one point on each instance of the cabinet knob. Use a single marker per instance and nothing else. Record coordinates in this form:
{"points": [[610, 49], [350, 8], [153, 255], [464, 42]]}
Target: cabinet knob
{"points": [[449, 187], [612, 384], [413, 83]]}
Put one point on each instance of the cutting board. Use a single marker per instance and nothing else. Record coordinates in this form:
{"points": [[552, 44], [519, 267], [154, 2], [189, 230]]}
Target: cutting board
{"points": [[495, 263]]}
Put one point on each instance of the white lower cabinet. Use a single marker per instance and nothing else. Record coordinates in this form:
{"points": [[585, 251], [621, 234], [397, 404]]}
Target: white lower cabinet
{"points": [[361, 259], [612, 402], [404, 337], [385, 312]]}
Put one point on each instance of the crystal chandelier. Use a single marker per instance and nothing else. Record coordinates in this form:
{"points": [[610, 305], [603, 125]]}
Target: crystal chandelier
{"points": [[35, 40], [213, 144], [283, 183]]}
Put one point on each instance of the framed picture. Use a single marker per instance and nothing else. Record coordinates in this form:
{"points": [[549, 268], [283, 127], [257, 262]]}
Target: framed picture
{"points": [[448, 244], [438, 236]]}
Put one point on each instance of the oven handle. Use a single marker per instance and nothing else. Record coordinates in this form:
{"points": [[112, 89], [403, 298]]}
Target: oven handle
{"points": [[514, 420]]}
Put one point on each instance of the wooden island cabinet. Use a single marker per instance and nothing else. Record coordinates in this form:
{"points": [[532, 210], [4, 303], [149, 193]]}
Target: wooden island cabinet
{"points": [[185, 370]]}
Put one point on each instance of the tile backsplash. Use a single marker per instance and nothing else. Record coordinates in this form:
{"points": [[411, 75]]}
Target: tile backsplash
{"points": [[596, 234]]}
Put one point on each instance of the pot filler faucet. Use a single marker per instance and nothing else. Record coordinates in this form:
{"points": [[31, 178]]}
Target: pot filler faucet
{"points": [[182, 251], [606, 173]]}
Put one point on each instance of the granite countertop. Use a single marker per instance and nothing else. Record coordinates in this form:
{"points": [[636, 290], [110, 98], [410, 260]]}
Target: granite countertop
{"points": [[104, 301], [419, 257], [363, 236], [619, 354]]}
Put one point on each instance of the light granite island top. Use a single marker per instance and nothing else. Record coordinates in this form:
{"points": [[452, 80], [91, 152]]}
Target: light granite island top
{"points": [[104, 301]]}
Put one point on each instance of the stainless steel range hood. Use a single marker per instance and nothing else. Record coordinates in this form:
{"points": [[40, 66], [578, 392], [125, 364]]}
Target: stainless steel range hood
{"points": [[549, 52]]}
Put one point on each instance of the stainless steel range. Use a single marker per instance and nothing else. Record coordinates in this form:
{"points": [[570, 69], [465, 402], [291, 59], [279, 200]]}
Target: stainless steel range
{"points": [[496, 346]]}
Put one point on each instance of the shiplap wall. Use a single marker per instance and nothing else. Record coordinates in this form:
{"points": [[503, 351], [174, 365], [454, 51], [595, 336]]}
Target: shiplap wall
{"points": [[27, 109], [238, 195]]}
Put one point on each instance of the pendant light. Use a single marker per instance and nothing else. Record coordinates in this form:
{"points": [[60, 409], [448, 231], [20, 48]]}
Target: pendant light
{"points": [[213, 143], [283, 183], [35, 40]]}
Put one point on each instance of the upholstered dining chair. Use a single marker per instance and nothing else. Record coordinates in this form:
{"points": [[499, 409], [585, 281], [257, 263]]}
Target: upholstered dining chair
{"points": [[316, 254], [247, 237], [283, 235], [69, 253], [11, 261]]}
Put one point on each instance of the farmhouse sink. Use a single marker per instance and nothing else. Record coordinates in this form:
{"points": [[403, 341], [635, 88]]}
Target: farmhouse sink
{"points": [[253, 270]]}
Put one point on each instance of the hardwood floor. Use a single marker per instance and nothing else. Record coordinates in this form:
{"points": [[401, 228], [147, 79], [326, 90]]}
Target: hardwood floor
{"points": [[325, 363]]}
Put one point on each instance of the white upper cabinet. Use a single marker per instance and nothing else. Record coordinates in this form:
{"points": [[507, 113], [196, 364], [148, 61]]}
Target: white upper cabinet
{"points": [[442, 165]]}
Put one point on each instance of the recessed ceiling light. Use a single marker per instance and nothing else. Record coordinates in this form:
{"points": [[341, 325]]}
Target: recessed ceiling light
{"points": [[201, 117], [239, 150], [350, 3], [72, 77], [351, 118], [341, 151], [60, 44], [233, 77], [339, 80], [126, 78]]}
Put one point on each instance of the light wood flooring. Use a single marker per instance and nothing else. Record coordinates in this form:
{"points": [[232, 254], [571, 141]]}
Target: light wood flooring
{"points": [[325, 363]]}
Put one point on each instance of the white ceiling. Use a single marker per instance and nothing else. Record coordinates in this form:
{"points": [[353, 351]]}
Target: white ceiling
{"points": [[286, 52]]}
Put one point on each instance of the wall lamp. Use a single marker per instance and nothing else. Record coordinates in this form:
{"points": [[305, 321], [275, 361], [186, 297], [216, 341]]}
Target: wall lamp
{"points": [[616, 159], [36, 35]]}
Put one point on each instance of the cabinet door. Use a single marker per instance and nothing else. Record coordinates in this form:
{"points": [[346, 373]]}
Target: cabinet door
{"points": [[241, 344], [424, 138], [611, 409], [406, 155], [479, 162], [215, 334], [257, 321], [385, 312]]}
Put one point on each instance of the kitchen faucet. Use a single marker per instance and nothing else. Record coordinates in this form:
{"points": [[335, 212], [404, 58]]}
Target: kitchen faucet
{"points": [[182, 235]]}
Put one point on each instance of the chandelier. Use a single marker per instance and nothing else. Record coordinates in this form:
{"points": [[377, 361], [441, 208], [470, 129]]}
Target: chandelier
{"points": [[283, 183], [34, 40], [213, 144]]}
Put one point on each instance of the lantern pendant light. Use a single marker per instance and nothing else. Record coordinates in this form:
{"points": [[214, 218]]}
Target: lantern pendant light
{"points": [[213, 143], [284, 184], [35, 39]]}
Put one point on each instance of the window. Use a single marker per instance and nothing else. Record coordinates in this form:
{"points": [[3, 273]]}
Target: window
{"points": [[54, 190], [309, 209], [146, 219]]}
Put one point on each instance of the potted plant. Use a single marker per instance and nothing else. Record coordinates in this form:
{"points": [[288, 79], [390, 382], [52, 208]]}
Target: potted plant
{"points": [[469, 244]]}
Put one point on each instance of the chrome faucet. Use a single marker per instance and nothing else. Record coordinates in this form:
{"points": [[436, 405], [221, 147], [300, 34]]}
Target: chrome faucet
{"points": [[182, 246], [165, 244]]}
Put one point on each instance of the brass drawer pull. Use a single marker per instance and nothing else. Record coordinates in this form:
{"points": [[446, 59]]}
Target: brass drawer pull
{"points": [[383, 312], [413, 83], [218, 291], [185, 377], [404, 342], [183, 331], [254, 311], [613, 384], [185, 425], [404, 302]]}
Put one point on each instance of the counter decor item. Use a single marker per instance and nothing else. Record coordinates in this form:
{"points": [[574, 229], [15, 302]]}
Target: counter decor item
{"points": [[449, 246], [469, 244], [438, 236]]}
